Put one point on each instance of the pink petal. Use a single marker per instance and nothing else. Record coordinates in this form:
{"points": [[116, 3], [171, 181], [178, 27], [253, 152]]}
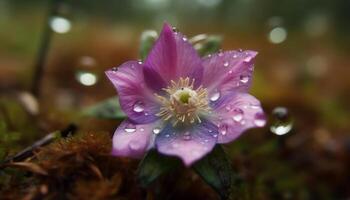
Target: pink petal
{"points": [[189, 145], [133, 140], [236, 113], [228, 71], [136, 99], [173, 57]]}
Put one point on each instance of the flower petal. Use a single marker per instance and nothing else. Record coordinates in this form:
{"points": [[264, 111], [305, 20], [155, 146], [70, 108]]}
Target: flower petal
{"points": [[133, 140], [228, 71], [136, 99], [189, 145], [236, 113], [173, 57]]}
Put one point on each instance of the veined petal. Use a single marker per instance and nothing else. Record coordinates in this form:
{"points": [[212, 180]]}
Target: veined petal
{"points": [[229, 71], [173, 57], [189, 145], [236, 113], [136, 99], [133, 140]]}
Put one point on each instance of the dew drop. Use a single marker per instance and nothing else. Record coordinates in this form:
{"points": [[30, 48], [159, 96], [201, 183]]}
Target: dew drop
{"points": [[237, 114], [255, 107], [215, 96], [259, 119], [248, 59], [142, 129], [167, 135], [130, 128], [215, 135], [235, 56], [226, 64], [184, 39], [243, 79], [223, 129], [282, 122], [114, 69], [220, 54], [156, 131], [60, 24], [138, 107], [175, 145], [175, 29], [281, 129], [210, 131], [134, 145], [187, 137]]}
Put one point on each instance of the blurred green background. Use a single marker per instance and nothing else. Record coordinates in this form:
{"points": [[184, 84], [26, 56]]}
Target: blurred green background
{"points": [[301, 77]]}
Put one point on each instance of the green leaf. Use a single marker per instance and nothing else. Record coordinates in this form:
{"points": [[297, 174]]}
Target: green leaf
{"points": [[206, 44], [216, 170], [147, 40], [107, 109], [154, 165]]}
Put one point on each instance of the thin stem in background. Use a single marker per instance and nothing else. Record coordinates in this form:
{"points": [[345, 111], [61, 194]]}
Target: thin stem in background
{"points": [[44, 48]]}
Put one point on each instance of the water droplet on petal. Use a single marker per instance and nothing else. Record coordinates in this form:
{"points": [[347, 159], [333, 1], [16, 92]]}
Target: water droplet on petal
{"points": [[186, 137], [130, 128], [226, 64], [223, 129], [142, 129], [175, 29], [184, 39], [167, 135], [215, 96], [156, 130], [248, 59], [175, 145], [235, 56], [255, 106], [138, 107], [220, 54], [215, 135], [243, 79], [259, 119], [134, 145], [237, 114]]}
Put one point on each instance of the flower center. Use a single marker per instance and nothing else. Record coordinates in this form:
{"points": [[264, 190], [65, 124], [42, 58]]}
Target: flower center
{"points": [[182, 103]]}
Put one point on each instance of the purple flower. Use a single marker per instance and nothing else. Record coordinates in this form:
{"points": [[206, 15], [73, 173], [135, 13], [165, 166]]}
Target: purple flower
{"points": [[182, 104]]}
